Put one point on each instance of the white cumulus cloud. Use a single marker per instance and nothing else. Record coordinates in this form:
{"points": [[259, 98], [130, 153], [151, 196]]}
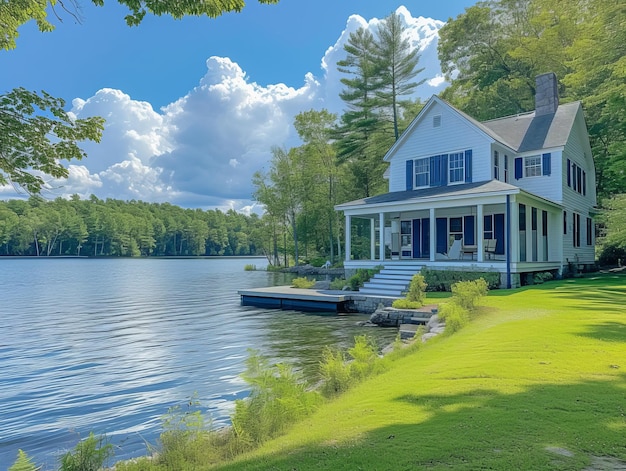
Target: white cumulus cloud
{"points": [[202, 149]]}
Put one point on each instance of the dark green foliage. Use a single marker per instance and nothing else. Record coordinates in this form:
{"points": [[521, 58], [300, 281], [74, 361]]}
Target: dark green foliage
{"points": [[96, 227], [90, 454], [612, 255], [361, 276], [442, 280]]}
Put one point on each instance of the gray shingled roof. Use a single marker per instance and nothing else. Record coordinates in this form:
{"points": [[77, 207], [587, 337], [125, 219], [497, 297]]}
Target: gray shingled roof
{"points": [[467, 189], [527, 132]]}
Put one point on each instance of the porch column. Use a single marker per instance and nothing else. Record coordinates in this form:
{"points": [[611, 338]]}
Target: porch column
{"points": [[382, 241], [480, 229], [372, 239], [433, 245], [348, 238], [513, 244]]}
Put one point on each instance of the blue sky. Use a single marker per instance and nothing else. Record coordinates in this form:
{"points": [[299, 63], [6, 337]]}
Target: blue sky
{"points": [[164, 62]]}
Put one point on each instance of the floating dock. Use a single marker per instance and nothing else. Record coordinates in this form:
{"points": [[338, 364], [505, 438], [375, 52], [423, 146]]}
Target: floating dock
{"points": [[297, 299]]}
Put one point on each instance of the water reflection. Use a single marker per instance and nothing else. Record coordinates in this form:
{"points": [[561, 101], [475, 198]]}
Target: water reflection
{"points": [[108, 345]]}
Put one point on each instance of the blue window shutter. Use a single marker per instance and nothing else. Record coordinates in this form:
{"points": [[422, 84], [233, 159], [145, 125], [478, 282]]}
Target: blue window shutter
{"points": [[569, 173], [444, 170], [442, 235], [519, 167], [546, 164], [435, 170], [409, 174], [468, 166], [468, 231], [498, 231]]}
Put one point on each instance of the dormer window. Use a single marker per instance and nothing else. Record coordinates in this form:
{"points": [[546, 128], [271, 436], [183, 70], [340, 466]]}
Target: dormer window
{"points": [[437, 121], [532, 166], [456, 165]]}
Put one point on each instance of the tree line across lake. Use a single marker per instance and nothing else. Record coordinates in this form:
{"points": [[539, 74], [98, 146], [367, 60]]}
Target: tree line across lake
{"points": [[110, 227]]}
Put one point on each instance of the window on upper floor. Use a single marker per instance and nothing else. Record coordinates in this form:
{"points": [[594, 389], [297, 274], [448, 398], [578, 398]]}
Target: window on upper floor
{"points": [[439, 170], [422, 173], [506, 169], [532, 166], [496, 165], [576, 178], [456, 165]]}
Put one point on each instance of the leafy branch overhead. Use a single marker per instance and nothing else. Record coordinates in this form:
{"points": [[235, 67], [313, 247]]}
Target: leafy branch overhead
{"points": [[37, 133], [14, 13]]}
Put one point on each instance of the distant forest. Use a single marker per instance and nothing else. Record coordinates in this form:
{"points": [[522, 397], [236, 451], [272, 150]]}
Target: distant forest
{"points": [[98, 228]]}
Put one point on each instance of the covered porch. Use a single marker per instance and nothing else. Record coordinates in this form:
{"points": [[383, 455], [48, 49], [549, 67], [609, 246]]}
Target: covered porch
{"points": [[487, 226]]}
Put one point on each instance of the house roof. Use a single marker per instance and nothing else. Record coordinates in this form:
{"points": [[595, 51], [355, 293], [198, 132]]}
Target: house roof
{"points": [[467, 189], [522, 133], [527, 132]]}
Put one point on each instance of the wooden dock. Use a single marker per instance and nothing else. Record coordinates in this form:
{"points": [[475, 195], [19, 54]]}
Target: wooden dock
{"points": [[297, 299]]}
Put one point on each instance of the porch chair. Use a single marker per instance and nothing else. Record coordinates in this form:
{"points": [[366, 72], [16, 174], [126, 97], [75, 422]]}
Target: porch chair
{"points": [[454, 252], [490, 247]]}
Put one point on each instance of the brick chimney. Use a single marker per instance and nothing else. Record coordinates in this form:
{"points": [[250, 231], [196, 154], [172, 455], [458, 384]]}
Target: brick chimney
{"points": [[546, 94]]}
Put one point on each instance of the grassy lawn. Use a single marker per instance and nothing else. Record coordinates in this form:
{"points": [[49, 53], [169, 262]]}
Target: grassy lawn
{"points": [[537, 381]]}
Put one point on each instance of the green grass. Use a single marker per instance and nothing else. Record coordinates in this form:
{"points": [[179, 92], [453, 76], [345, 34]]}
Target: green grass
{"points": [[536, 370]]}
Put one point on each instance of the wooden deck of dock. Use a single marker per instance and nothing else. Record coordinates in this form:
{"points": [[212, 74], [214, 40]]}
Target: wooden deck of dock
{"points": [[286, 297]]}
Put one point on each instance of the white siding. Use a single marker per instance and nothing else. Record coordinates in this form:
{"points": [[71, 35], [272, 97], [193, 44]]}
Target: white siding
{"points": [[455, 134], [546, 186], [575, 202]]}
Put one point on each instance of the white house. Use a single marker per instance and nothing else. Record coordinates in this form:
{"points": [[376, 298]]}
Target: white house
{"points": [[517, 194]]}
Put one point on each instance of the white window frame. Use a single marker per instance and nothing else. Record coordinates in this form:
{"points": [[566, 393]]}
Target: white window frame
{"points": [[424, 166], [459, 166], [533, 166], [496, 165]]}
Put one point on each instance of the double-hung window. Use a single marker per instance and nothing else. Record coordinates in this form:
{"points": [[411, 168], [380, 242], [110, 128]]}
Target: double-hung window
{"points": [[422, 173], [456, 165], [532, 166]]}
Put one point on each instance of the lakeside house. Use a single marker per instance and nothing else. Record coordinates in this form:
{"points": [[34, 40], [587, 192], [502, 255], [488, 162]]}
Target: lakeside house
{"points": [[515, 195]]}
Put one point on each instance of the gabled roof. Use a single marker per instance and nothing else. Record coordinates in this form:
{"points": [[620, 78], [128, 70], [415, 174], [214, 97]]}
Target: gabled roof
{"points": [[439, 192], [520, 133], [429, 104], [527, 132]]}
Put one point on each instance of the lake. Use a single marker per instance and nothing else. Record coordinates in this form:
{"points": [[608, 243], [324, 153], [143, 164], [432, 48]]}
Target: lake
{"points": [[108, 345]]}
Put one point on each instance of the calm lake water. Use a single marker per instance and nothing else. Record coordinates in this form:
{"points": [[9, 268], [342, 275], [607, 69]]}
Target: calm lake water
{"points": [[109, 345]]}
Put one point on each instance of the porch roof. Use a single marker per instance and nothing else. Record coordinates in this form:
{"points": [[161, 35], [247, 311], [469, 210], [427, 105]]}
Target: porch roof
{"points": [[439, 193]]}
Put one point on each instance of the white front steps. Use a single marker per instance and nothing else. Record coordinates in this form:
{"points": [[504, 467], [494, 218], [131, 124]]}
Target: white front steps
{"points": [[391, 281]]}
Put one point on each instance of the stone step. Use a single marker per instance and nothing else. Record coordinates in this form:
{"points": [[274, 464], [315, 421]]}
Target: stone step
{"points": [[381, 292], [389, 280]]}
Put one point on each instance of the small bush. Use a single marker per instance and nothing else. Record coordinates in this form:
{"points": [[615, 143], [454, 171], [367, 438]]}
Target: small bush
{"points": [[361, 276], [339, 372], [467, 293], [278, 398], [338, 283], [183, 435], [334, 372], [90, 454], [23, 463], [541, 277], [404, 303], [249, 267], [302, 282], [454, 315], [442, 280], [417, 289]]}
